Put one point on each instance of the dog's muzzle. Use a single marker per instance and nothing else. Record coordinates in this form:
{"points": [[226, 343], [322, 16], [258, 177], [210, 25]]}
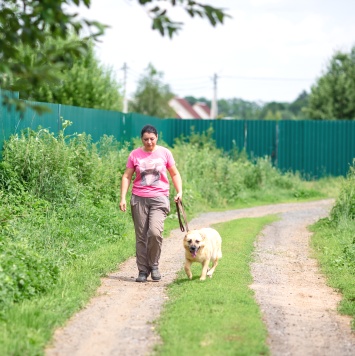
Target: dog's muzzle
{"points": [[193, 250]]}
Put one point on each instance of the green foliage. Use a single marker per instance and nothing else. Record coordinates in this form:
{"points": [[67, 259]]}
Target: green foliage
{"points": [[52, 169], [152, 95], [41, 162], [334, 244], [334, 247], [298, 106], [43, 180], [344, 209], [24, 273], [163, 23], [239, 109], [333, 96], [31, 24], [84, 83]]}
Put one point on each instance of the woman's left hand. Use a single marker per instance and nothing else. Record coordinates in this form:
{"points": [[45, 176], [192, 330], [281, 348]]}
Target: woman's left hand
{"points": [[178, 197]]}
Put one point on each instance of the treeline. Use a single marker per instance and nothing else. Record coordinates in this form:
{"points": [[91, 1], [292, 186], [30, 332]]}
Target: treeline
{"points": [[239, 109], [332, 97]]}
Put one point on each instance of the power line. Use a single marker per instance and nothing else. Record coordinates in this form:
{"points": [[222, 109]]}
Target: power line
{"points": [[265, 78]]}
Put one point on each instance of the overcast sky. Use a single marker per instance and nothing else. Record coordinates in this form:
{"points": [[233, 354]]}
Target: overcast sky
{"points": [[270, 50]]}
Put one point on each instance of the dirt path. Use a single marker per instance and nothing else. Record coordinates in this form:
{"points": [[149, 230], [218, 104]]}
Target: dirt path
{"points": [[298, 308]]}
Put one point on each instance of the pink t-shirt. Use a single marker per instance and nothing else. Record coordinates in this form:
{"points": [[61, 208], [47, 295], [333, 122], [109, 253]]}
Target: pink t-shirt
{"points": [[151, 171]]}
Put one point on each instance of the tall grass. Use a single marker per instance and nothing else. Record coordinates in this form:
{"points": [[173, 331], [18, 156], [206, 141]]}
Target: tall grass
{"points": [[59, 216], [334, 245]]}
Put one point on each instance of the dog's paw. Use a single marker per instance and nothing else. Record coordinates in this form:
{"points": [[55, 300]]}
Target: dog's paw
{"points": [[202, 278]]}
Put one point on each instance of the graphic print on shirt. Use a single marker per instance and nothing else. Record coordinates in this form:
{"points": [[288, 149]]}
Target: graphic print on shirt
{"points": [[150, 171]]}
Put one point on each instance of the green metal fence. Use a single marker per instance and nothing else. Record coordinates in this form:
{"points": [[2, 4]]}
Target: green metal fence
{"points": [[313, 148]]}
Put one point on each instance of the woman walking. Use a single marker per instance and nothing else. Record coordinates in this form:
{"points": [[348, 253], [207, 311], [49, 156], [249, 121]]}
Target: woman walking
{"points": [[150, 199]]}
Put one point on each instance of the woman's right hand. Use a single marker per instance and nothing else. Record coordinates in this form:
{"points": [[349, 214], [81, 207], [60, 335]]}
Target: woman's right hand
{"points": [[123, 205]]}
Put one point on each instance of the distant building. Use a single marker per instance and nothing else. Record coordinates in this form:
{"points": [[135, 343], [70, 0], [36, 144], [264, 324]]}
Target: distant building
{"points": [[184, 110], [203, 110]]}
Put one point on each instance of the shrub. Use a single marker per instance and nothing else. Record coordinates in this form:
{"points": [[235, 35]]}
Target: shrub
{"points": [[344, 207], [23, 273]]}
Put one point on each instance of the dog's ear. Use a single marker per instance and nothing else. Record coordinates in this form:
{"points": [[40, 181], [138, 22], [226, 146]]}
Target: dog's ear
{"points": [[203, 236]]}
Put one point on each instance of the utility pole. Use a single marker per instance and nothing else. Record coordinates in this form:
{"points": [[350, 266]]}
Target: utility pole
{"points": [[214, 106], [125, 100]]}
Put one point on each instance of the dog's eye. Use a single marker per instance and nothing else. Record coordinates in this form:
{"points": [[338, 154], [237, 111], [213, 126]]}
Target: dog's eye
{"points": [[197, 241], [189, 241]]}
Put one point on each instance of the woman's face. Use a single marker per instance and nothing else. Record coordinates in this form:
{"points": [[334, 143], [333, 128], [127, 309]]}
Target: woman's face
{"points": [[149, 141]]}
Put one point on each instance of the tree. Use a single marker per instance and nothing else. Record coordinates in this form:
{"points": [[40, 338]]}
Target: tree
{"points": [[192, 100], [333, 95], [85, 83], [297, 107], [30, 23], [152, 95], [239, 109]]}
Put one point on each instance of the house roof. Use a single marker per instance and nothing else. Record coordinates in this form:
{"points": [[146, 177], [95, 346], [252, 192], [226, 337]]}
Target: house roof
{"points": [[203, 110], [184, 110]]}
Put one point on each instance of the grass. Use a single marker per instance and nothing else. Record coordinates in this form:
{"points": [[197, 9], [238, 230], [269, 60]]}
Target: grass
{"points": [[220, 315], [335, 251], [334, 245], [29, 325]]}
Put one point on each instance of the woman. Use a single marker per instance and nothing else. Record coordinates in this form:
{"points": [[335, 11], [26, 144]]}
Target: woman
{"points": [[150, 199]]}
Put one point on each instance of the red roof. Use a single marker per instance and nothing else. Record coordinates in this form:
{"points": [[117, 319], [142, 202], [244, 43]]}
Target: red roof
{"points": [[184, 103]]}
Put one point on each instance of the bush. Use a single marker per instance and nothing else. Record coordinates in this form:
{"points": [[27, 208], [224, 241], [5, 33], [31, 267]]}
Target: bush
{"points": [[24, 273], [344, 208]]}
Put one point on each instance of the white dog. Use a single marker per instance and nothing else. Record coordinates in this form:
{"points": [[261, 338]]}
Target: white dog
{"points": [[203, 246]]}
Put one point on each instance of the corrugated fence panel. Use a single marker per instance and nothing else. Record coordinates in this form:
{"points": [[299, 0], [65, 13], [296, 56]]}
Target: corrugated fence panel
{"points": [[349, 155], [316, 148], [319, 147], [226, 133], [8, 119], [290, 152], [137, 121], [261, 138], [313, 148], [48, 120], [229, 134], [95, 122]]}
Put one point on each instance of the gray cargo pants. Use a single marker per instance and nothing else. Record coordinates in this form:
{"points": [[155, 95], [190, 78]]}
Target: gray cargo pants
{"points": [[148, 217]]}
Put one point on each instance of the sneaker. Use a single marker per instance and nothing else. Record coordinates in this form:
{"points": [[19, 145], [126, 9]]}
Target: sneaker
{"points": [[142, 277], [155, 274]]}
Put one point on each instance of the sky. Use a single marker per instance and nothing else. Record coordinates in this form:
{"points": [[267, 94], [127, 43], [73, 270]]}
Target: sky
{"points": [[269, 50]]}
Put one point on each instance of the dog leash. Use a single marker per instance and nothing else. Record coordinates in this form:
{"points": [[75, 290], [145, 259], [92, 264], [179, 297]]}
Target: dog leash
{"points": [[180, 210]]}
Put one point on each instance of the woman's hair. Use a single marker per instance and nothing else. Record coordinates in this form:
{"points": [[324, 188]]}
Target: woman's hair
{"points": [[149, 129]]}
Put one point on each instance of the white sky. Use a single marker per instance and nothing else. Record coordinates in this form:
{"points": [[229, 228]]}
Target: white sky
{"points": [[270, 50]]}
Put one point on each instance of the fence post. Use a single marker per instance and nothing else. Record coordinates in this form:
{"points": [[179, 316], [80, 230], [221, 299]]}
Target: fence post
{"points": [[276, 144], [59, 118], [245, 135]]}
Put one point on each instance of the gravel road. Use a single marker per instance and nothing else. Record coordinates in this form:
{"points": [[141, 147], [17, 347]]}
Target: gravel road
{"points": [[298, 308]]}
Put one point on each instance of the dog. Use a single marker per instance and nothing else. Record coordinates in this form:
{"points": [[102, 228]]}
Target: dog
{"points": [[203, 246]]}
